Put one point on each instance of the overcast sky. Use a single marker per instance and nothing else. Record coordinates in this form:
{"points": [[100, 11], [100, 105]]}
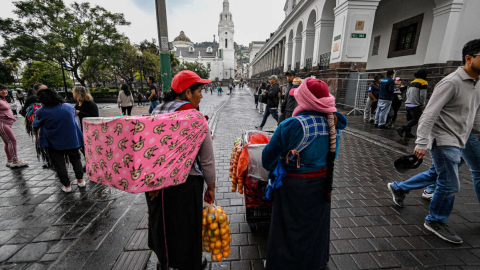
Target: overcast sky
{"points": [[254, 19]]}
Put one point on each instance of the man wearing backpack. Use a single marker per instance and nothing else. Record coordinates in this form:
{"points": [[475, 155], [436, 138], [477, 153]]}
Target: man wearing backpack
{"points": [[33, 99]]}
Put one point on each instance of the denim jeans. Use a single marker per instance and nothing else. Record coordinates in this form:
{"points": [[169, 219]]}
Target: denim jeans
{"points": [[383, 108], [153, 105], [269, 111], [446, 161], [470, 155]]}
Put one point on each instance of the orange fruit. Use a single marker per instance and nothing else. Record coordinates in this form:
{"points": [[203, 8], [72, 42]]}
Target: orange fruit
{"points": [[240, 191], [225, 243], [214, 258], [218, 244], [240, 186], [216, 232], [204, 213], [211, 210], [219, 257], [226, 248], [213, 239], [204, 221], [221, 218], [234, 189], [230, 239], [222, 225], [206, 244], [212, 245], [224, 236], [213, 226], [226, 254], [223, 231], [216, 251]]}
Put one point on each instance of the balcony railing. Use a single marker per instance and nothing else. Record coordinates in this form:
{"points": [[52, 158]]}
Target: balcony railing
{"points": [[324, 61], [308, 64], [297, 67]]}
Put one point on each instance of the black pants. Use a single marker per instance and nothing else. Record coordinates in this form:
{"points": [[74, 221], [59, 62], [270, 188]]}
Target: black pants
{"points": [[57, 158], [22, 101], [413, 115], [139, 101], [127, 110]]}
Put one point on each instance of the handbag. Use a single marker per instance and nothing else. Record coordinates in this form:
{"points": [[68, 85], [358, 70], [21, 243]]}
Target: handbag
{"points": [[263, 98]]}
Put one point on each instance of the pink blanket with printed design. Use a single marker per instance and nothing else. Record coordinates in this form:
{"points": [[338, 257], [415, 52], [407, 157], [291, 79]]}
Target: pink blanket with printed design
{"points": [[143, 153]]}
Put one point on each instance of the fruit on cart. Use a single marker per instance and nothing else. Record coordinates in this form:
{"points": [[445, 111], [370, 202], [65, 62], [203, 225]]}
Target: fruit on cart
{"points": [[216, 235]]}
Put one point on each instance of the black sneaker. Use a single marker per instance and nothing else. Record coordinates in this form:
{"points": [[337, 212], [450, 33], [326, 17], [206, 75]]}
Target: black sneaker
{"points": [[400, 131], [397, 195], [444, 232], [376, 125], [383, 127]]}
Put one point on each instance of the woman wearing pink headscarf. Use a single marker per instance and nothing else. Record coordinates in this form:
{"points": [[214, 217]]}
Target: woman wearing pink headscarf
{"points": [[300, 157]]}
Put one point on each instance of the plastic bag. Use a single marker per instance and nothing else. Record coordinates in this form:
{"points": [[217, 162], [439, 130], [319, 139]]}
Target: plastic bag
{"points": [[216, 232]]}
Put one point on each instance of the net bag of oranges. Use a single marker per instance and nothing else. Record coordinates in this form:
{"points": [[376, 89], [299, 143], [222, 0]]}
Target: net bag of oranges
{"points": [[216, 232]]}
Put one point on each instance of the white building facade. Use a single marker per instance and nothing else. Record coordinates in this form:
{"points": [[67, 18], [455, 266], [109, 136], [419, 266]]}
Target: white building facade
{"points": [[220, 58], [363, 35]]}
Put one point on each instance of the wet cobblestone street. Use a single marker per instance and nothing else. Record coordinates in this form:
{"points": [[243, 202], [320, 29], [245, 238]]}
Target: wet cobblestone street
{"points": [[43, 228]]}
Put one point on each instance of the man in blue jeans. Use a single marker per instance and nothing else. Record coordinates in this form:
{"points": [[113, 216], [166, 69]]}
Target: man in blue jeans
{"points": [[444, 129], [154, 94], [387, 87]]}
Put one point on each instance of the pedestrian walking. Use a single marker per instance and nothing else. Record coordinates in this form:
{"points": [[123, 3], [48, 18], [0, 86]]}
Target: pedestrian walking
{"points": [[396, 102], [154, 94], [455, 97], [262, 87], [139, 98], [125, 100], [219, 90], [6, 132], [20, 97], [10, 95], [272, 101], [385, 98], [372, 100], [289, 104], [256, 94], [60, 135], [176, 238], [300, 218], [416, 100], [85, 106]]}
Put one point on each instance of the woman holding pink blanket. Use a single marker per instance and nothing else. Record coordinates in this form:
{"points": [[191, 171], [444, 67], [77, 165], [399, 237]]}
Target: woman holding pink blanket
{"points": [[175, 213]]}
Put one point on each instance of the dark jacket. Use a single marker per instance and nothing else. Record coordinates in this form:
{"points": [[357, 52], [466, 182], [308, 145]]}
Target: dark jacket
{"points": [[88, 109], [291, 103], [387, 87], [272, 96], [58, 129], [28, 102]]}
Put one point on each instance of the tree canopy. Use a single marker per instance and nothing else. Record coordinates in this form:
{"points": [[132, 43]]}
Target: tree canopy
{"points": [[196, 67], [6, 76], [81, 36], [49, 74]]}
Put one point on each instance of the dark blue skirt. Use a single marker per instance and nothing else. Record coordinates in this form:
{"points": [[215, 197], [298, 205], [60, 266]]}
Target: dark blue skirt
{"points": [[300, 227]]}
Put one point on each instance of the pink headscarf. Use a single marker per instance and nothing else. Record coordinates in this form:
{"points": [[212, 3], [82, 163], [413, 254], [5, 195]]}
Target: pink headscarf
{"points": [[309, 102]]}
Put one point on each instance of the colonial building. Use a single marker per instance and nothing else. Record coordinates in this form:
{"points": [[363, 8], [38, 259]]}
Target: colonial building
{"points": [[321, 37], [220, 58], [254, 48]]}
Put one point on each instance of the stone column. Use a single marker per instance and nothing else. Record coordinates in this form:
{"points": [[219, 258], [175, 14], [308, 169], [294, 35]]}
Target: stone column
{"points": [[308, 39], [323, 40], [296, 51], [352, 33], [288, 49], [444, 28]]}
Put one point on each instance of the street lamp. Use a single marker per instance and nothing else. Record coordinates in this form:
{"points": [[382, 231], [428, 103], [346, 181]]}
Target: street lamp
{"points": [[140, 59]]}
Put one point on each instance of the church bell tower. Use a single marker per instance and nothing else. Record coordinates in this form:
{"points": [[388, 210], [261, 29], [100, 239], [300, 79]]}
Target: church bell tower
{"points": [[226, 41]]}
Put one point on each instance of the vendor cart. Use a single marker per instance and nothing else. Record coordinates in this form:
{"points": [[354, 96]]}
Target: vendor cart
{"points": [[257, 210]]}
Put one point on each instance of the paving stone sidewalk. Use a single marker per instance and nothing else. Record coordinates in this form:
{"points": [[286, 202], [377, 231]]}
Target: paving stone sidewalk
{"points": [[45, 228]]}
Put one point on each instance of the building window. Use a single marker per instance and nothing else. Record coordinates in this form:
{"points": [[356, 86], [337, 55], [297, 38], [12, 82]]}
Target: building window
{"points": [[191, 49], [209, 66], [226, 43], [376, 45], [405, 36]]}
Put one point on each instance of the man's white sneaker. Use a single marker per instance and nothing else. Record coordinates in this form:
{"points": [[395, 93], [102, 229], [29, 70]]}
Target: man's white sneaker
{"points": [[427, 195], [18, 163], [67, 189], [9, 163], [81, 184]]}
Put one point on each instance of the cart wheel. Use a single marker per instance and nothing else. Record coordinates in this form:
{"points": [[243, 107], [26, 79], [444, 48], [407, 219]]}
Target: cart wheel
{"points": [[253, 226]]}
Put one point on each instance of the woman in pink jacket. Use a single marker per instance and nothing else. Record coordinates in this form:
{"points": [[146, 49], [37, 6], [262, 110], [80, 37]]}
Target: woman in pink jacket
{"points": [[6, 121]]}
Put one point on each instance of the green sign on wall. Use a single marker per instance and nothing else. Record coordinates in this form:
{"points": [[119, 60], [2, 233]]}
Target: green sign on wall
{"points": [[359, 35], [337, 37]]}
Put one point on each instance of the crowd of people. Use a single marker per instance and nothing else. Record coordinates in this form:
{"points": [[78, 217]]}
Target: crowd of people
{"points": [[300, 154]]}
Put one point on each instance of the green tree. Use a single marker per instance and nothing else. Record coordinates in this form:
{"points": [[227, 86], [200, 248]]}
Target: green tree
{"points": [[6, 76], [196, 67], [49, 74], [50, 31], [126, 65]]}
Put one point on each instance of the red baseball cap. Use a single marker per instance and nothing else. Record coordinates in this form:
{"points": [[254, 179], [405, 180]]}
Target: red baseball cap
{"points": [[186, 78]]}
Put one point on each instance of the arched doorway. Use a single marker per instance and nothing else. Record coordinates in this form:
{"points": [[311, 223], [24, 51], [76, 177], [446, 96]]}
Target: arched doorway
{"points": [[309, 41], [297, 47]]}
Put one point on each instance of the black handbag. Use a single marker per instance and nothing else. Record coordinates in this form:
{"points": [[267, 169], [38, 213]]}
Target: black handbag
{"points": [[263, 98]]}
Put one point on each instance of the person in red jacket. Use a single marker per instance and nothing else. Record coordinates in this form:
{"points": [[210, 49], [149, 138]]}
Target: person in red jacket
{"points": [[6, 121]]}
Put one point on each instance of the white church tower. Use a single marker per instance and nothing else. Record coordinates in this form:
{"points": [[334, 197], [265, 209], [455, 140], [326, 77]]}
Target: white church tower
{"points": [[225, 34]]}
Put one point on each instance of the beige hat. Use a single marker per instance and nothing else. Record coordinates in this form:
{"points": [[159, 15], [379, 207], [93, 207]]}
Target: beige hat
{"points": [[297, 81], [273, 77]]}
